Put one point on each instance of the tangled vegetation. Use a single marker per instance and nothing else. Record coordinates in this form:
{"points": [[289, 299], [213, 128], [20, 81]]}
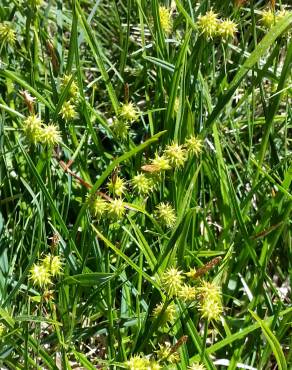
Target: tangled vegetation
{"points": [[145, 184]]}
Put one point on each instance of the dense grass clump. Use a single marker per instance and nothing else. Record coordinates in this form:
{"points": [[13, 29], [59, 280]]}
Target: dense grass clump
{"points": [[145, 184]]}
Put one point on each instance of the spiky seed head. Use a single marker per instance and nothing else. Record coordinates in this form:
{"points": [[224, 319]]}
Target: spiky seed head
{"points": [[67, 111], [154, 365], [138, 362], [208, 24], [165, 19], [197, 366], [210, 301], [176, 154], [120, 129], [117, 186], [166, 214], [187, 293], [129, 112], [7, 34], [73, 90], [39, 275], [161, 162], [32, 129], [211, 309], [194, 145], [98, 207], [53, 264], [281, 14], [116, 208], [227, 29], [51, 135], [172, 281], [166, 353], [268, 18], [142, 184], [191, 273], [167, 316], [210, 290]]}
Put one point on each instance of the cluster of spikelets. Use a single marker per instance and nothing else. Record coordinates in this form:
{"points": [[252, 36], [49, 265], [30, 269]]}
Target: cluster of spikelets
{"points": [[116, 208], [41, 274], [173, 157], [128, 114], [208, 295], [7, 34], [68, 110], [269, 17], [211, 26], [165, 355], [36, 132], [140, 362], [165, 18], [100, 208]]}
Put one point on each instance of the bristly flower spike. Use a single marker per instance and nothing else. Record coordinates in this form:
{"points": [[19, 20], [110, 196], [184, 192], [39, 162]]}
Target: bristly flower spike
{"points": [[171, 281]]}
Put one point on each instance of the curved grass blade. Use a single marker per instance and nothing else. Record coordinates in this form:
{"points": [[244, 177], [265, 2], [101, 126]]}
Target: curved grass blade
{"points": [[273, 342], [254, 57]]}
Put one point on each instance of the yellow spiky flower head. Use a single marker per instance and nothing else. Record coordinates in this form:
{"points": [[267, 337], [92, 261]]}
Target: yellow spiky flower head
{"points": [[51, 135], [176, 154], [211, 310], [32, 129], [67, 111], [208, 24], [53, 264], [187, 293], [165, 19], [98, 207], [166, 214], [120, 129], [227, 29], [268, 18], [166, 353], [167, 316], [142, 184], [138, 362], [210, 301], [194, 145], [191, 273], [129, 112], [281, 14], [7, 34], [154, 365], [117, 186], [210, 290], [116, 208], [172, 281], [197, 366], [39, 275], [161, 162], [73, 90]]}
